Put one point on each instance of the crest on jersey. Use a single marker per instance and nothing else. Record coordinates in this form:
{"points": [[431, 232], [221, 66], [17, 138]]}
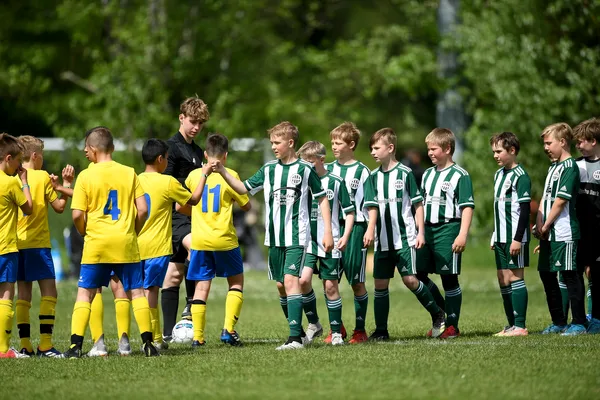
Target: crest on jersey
{"points": [[329, 194], [555, 176], [295, 179], [507, 185], [446, 186], [399, 184], [596, 175], [354, 184], [285, 196]]}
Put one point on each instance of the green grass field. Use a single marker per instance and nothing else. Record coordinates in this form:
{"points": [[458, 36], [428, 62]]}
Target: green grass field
{"points": [[475, 365]]}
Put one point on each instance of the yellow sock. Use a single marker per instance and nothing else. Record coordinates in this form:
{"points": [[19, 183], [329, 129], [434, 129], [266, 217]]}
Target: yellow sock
{"points": [[97, 318], [47, 314], [199, 321], [6, 321], [123, 314], [141, 311], [23, 307], [156, 331], [81, 317], [233, 308]]}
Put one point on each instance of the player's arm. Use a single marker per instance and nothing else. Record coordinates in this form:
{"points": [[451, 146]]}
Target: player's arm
{"points": [[326, 213], [197, 195], [232, 181], [142, 213], [68, 175], [420, 222], [557, 207], [369, 237], [26, 207], [348, 225], [79, 221], [246, 207], [465, 224]]}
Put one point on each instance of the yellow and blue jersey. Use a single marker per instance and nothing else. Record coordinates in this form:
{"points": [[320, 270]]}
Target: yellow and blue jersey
{"points": [[106, 192], [212, 218], [161, 191], [32, 230], [11, 198]]}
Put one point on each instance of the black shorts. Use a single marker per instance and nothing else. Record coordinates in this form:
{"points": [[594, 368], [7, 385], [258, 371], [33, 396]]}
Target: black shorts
{"points": [[182, 226], [588, 252]]}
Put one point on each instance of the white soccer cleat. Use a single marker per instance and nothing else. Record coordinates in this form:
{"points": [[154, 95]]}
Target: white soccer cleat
{"points": [[336, 339], [290, 345], [313, 331], [124, 346], [98, 349]]}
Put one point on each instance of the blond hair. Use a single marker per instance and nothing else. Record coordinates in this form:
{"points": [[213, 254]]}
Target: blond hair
{"points": [[285, 129], [9, 145], [30, 145], [588, 130], [560, 130], [386, 134], [195, 109], [312, 149], [443, 137], [348, 132]]}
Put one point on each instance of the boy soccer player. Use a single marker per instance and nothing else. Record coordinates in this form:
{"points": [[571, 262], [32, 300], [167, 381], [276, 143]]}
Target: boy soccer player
{"points": [[344, 140], [109, 210], [328, 269], [510, 241], [215, 249], [587, 136], [557, 228], [391, 193], [448, 200], [287, 182], [12, 198], [33, 241]]}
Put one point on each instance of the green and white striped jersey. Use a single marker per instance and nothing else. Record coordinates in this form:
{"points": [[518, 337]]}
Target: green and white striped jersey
{"points": [[562, 181], [393, 193], [339, 204], [445, 193], [354, 175], [511, 187], [287, 191]]}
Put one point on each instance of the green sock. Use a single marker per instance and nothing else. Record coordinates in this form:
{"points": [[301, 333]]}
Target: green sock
{"points": [[309, 304], [506, 292], [360, 310], [284, 306], [294, 306], [519, 302], [589, 297], [435, 292], [453, 304], [564, 294], [426, 299], [334, 308], [382, 309]]}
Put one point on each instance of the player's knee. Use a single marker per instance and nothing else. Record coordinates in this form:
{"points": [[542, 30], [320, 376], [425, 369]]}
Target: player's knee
{"points": [[411, 282], [305, 284], [381, 284], [331, 289], [359, 289]]}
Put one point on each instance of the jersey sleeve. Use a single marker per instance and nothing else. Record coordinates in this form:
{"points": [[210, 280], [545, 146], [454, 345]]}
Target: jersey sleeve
{"points": [[178, 193], [568, 183], [465, 192], [80, 199], [413, 189], [138, 191], [172, 160], [255, 183], [49, 192], [17, 193], [314, 183], [523, 185], [370, 195], [241, 199], [344, 198]]}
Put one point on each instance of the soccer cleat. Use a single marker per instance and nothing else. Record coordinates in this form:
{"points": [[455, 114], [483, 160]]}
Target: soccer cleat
{"points": [[196, 344], [13, 353], [574, 330], [124, 346], [439, 325], [515, 331], [503, 331], [429, 333], [50, 353], [379, 336], [73, 352], [27, 352], [161, 345], [313, 331], [594, 326], [336, 339], [98, 349], [290, 344], [187, 312], [358, 336], [231, 338], [450, 333], [554, 329], [149, 350], [344, 335]]}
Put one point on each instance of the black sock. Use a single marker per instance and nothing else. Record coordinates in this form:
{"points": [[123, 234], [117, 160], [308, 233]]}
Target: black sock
{"points": [[575, 286], [190, 286], [169, 302], [146, 337], [595, 289], [77, 340], [553, 298]]}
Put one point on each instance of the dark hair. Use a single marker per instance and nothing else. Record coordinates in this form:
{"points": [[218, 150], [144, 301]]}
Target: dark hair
{"points": [[101, 138], [506, 140], [386, 134], [152, 149], [9, 145], [216, 145]]}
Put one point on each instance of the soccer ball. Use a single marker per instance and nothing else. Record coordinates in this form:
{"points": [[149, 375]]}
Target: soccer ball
{"points": [[183, 332]]}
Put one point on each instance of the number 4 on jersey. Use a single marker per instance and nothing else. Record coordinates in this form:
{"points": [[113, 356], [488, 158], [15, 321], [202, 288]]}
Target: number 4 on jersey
{"points": [[112, 205]]}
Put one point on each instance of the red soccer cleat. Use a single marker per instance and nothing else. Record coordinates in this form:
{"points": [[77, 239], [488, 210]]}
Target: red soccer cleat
{"points": [[344, 335], [359, 337], [450, 333]]}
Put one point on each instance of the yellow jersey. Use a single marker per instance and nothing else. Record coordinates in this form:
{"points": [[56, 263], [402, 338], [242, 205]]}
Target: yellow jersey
{"points": [[161, 191], [212, 218], [11, 198], [106, 192], [32, 230]]}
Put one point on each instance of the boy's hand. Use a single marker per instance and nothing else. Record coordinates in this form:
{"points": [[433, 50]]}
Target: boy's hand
{"points": [[68, 175], [342, 243], [368, 239], [459, 244], [328, 242], [22, 172], [537, 249], [207, 169], [544, 232], [218, 167], [54, 181], [420, 240], [515, 248]]}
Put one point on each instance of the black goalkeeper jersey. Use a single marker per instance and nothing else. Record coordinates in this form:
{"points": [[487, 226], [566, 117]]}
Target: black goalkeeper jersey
{"points": [[184, 157], [588, 200]]}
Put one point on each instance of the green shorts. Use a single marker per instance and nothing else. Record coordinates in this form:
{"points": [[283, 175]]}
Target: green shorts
{"points": [[354, 257], [437, 255], [557, 256], [505, 261], [328, 269], [386, 261], [285, 261]]}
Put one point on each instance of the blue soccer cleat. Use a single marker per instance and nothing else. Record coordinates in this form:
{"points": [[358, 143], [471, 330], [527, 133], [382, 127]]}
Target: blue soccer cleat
{"points": [[594, 326], [231, 338], [574, 330], [554, 329], [51, 353]]}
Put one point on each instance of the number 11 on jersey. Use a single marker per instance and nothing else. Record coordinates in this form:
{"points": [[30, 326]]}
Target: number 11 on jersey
{"points": [[216, 203]]}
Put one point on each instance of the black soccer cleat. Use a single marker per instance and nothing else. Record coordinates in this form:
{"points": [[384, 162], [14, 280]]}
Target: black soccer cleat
{"points": [[73, 352], [150, 350], [379, 336], [196, 344]]}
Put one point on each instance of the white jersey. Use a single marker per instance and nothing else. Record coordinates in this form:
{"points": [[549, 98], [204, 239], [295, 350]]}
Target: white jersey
{"points": [[354, 176], [511, 188], [445, 193]]}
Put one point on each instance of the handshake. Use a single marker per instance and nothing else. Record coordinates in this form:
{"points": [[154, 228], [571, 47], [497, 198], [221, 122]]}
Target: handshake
{"points": [[213, 166]]}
